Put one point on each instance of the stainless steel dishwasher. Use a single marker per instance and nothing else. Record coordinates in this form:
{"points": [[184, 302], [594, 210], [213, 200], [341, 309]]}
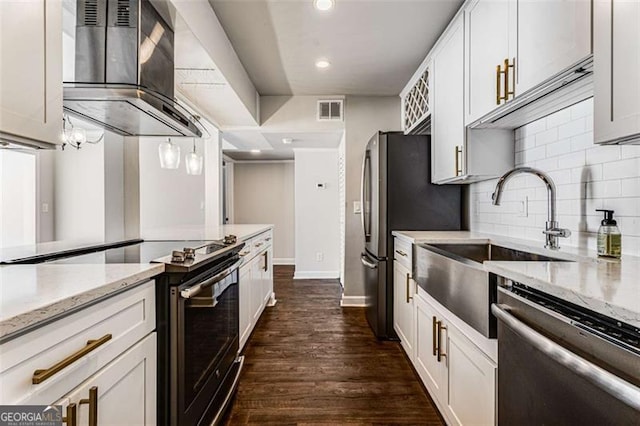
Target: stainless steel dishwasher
{"points": [[562, 364]]}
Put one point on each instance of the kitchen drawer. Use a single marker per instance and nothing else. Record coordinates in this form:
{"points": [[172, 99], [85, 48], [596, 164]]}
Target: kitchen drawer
{"points": [[402, 252], [114, 325]]}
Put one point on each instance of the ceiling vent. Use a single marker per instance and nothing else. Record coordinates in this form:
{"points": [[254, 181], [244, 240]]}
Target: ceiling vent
{"points": [[330, 110]]}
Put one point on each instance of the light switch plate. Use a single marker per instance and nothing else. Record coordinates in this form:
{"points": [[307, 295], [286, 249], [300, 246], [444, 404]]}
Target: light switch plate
{"points": [[523, 207], [357, 207]]}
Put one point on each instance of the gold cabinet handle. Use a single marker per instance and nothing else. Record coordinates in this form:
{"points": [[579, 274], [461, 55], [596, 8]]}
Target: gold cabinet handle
{"points": [[71, 419], [508, 66], [458, 153], [401, 253], [498, 85], [408, 295], [40, 376], [93, 405], [440, 354], [435, 337]]}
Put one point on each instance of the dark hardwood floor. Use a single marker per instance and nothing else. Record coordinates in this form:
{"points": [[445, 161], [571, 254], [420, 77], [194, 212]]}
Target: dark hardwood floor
{"points": [[311, 362]]}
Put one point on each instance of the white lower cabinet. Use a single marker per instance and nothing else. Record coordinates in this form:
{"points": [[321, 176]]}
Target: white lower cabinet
{"points": [[123, 392], [403, 307], [459, 376], [256, 283]]}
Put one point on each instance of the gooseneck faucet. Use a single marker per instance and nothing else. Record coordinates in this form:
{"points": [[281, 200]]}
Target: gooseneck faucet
{"points": [[552, 231]]}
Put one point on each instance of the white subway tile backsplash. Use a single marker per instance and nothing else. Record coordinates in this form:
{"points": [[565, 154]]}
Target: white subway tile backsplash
{"points": [[572, 128], [621, 169], [587, 177], [547, 136]]}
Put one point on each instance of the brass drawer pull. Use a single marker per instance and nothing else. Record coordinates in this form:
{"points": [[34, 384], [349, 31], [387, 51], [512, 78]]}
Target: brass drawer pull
{"points": [[498, 85], [40, 376], [435, 337], [440, 354], [71, 419], [266, 261], [93, 405], [408, 296], [458, 160], [401, 253]]}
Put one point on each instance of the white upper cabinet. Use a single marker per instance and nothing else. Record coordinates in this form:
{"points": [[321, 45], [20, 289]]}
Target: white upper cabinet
{"points": [[551, 35], [447, 123], [31, 71], [487, 41], [617, 71]]}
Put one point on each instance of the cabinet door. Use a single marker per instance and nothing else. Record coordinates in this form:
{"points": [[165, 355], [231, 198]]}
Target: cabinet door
{"points": [[447, 124], [472, 382], [31, 72], [126, 388], [246, 313], [616, 70], [552, 35], [432, 372], [487, 46], [403, 307], [257, 294]]}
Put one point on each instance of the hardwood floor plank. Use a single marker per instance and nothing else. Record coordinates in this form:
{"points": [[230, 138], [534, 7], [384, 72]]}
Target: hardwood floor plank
{"points": [[311, 362]]}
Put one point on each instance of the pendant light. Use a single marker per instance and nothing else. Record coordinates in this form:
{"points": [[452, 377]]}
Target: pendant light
{"points": [[193, 161], [169, 155]]}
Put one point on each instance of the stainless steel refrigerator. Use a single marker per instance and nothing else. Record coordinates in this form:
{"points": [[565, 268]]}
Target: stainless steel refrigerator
{"points": [[397, 194]]}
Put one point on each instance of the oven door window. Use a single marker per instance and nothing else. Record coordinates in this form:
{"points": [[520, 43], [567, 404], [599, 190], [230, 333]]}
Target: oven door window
{"points": [[210, 332]]}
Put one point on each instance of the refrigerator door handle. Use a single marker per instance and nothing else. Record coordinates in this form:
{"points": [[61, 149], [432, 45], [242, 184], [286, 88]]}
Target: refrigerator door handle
{"points": [[365, 261], [363, 200]]}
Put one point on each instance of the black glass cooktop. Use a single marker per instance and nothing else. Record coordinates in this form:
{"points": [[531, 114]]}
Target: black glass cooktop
{"points": [[143, 252]]}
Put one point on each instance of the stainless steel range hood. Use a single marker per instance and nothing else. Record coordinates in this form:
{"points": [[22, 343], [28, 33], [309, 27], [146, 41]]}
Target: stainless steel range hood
{"points": [[124, 68]]}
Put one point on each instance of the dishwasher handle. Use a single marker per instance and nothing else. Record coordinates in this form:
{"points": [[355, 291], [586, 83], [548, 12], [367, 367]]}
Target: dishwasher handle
{"points": [[608, 382], [366, 262]]}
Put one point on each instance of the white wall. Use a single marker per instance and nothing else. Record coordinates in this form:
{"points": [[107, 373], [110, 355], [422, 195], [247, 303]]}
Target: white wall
{"points": [[365, 115], [169, 199], [264, 193], [587, 177], [317, 228], [17, 198], [79, 200]]}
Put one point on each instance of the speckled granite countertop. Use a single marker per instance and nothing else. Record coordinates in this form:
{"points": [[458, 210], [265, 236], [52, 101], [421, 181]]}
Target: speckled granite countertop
{"points": [[33, 294], [609, 287]]}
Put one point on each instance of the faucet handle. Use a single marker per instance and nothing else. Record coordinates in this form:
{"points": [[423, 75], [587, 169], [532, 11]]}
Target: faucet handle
{"points": [[558, 232]]}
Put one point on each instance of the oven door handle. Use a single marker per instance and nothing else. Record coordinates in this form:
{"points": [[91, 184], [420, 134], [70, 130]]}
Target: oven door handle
{"points": [[608, 382], [192, 291]]}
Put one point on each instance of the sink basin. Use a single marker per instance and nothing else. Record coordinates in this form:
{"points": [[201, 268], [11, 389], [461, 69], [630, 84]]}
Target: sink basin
{"points": [[483, 252], [453, 274]]}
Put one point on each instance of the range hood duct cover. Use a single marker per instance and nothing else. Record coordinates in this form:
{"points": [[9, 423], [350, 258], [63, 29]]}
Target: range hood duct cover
{"points": [[124, 71]]}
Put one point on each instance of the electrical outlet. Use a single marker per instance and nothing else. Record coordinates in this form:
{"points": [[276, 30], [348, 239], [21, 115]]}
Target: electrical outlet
{"points": [[523, 207], [45, 207], [319, 257]]}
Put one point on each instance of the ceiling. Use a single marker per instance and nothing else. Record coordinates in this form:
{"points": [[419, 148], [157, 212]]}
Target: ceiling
{"points": [[271, 145], [374, 46]]}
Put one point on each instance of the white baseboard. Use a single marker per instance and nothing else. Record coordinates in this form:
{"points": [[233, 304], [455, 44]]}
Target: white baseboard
{"points": [[315, 275], [284, 261], [352, 301]]}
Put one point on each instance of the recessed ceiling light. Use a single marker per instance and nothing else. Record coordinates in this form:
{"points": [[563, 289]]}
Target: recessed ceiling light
{"points": [[287, 141], [255, 151], [322, 64], [323, 4]]}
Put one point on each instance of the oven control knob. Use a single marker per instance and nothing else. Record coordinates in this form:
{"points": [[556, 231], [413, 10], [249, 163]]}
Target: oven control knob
{"points": [[178, 256], [189, 253]]}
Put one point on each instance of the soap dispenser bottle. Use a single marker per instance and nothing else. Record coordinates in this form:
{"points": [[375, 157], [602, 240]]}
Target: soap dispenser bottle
{"points": [[609, 237]]}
